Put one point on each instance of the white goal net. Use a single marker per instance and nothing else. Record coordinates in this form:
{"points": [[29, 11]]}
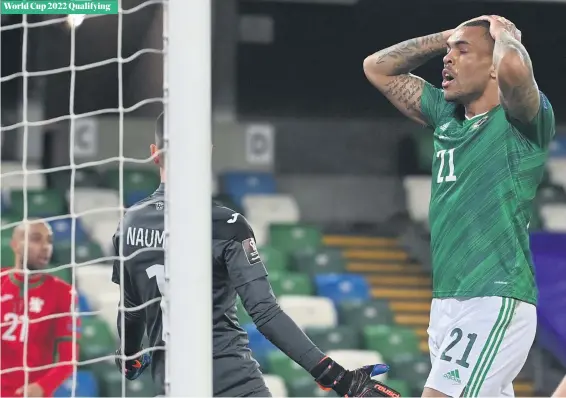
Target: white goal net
{"points": [[79, 105]]}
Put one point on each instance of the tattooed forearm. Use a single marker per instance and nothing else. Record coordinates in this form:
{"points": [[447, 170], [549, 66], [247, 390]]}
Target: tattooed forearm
{"points": [[506, 44], [389, 71], [404, 57], [405, 90], [519, 93]]}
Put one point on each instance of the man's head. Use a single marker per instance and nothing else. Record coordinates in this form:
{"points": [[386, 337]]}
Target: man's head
{"points": [[157, 151], [39, 244], [468, 65]]}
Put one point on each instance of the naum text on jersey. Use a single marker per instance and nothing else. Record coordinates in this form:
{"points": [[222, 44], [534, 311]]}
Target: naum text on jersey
{"points": [[145, 237]]}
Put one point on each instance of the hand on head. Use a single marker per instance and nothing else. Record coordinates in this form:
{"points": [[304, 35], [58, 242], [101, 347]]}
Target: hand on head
{"points": [[498, 24]]}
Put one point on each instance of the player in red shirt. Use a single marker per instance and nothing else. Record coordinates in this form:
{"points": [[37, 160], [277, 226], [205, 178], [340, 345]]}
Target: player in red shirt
{"points": [[48, 334]]}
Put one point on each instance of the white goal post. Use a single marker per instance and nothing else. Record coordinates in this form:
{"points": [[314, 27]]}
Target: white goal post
{"points": [[187, 103], [188, 135]]}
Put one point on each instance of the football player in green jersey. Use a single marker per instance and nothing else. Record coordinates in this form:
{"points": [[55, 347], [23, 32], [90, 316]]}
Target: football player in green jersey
{"points": [[492, 128]]}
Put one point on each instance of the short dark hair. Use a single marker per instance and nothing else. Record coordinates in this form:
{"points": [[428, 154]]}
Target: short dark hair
{"points": [[482, 23]]}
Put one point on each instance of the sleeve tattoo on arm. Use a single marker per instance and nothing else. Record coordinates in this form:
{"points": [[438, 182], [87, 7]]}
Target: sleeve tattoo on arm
{"points": [[520, 97], [412, 53], [407, 90]]}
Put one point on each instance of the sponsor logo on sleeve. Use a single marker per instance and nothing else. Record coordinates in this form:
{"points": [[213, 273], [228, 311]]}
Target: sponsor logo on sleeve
{"points": [[250, 249]]}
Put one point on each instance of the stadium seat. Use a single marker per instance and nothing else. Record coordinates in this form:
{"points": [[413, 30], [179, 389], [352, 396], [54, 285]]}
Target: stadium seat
{"points": [[417, 189], [133, 197], [309, 311], [134, 179], [107, 304], [352, 359], [283, 366], [554, 217], [551, 194], [273, 259], [365, 313], [290, 283], [260, 346], [414, 369], [40, 203], [61, 271], [33, 181], [342, 287], [262, 210], [241, 313], [93, 279], [10, 218], [276, 385], [291, 238], [307, 387], [93, 205], [261, 233], [390, 340], [63, 230], [102, 234], [401, 386], [6, 252], [271, 208], [111, 383], [96, 337], [239, 184], [226, 201], [85, 251], [83, 303], [87, 178], [325, 260], [85, 386], [4, 203], [536, 223], [338, 337], [556, 167]]}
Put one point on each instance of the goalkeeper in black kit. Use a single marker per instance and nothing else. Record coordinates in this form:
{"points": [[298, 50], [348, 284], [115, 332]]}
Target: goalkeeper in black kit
{"points": [[237, 270]]}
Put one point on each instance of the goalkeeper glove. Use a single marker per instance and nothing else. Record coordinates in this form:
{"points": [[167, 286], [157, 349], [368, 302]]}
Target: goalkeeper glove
{"points": [[133, 367], [352, 383]]}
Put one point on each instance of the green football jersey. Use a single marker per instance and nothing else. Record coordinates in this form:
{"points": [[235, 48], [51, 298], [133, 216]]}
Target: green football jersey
{"points": [[485, 174]]}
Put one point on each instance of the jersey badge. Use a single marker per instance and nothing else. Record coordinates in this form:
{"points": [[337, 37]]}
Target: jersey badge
{"points": [[479, 122], [36, 304], [250, 248], [159, 206], [233, 219]]}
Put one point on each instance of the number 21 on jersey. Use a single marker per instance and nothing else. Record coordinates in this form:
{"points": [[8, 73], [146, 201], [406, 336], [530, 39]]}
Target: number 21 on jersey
{"points": [[446, 171], [13, 321]]}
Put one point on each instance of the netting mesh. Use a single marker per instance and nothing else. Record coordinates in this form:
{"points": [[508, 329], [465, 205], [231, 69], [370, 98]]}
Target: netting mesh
{"points": [[82, 200]]}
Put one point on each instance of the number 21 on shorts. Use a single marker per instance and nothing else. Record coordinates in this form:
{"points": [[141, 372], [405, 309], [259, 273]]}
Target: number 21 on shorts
{"points": [[457, 334], [446, 175]]}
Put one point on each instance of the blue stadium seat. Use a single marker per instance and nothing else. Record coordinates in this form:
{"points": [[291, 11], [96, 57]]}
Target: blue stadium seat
{"points": [[86, 386], [84, 305], [259, 345], [342, 287], [133, 197], [62, 230], [4, 199], [239, 184]]}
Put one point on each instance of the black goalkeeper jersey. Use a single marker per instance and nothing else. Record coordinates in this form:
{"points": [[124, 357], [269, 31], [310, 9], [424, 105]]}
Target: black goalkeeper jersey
{"points": [[141, 235], [237, 269]]}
